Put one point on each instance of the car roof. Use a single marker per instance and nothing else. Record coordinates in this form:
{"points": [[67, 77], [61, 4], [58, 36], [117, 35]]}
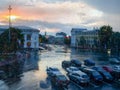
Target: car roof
{"points": [[88, 69], [73, 67], [79, 73]]}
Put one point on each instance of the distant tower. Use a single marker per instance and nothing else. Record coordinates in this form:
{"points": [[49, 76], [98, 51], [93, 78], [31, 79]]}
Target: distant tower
{"points": [[45, 33]]}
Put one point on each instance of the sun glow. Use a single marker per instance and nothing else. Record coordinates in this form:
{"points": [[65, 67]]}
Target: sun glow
{"points": [[13, 17]]}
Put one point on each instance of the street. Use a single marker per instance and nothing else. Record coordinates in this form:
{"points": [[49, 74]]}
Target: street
{"points": [[35, 77]]}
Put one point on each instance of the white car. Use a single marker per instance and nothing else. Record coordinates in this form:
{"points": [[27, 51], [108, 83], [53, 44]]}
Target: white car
{"points": [[79, 78], [114, 61], [72, 69], [116, 67]]}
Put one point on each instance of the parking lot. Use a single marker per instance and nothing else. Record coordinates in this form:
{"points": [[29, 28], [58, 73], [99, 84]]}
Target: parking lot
{"points": [[38, 79]]}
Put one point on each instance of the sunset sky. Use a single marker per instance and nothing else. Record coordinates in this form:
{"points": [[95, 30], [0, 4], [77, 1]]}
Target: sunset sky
{"points": [[62, 15]]}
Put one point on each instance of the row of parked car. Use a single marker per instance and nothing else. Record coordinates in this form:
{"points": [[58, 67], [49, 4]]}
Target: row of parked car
{"points": [[96, 74], [83, 74]]}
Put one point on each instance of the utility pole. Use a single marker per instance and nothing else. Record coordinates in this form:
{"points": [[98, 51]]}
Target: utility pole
{"points": [[9, 21]]}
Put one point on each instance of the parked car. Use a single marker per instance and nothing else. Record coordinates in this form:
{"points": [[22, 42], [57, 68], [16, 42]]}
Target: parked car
{"points": [[114, 61], [106, 75], [94, 75], [116, 72], [60, 80], [113, 70], [76, 63], [72, 69], [51, 71], [107, 68], [116, 67], [66, 64], [79, 77], [89, 62]]}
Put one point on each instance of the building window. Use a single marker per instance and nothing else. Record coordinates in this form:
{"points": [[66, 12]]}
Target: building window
{"points": [[28, 36]]}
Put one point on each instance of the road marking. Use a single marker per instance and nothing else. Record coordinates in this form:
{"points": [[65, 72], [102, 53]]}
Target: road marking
{"points": [[77, 85]]}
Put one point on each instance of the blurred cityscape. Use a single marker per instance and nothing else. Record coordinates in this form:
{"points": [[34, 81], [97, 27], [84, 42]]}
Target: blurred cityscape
{"points": [[85, 59]]}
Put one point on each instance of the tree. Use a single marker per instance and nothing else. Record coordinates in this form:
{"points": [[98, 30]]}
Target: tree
{"points": [[115, 42], [105, 34], [16, 40], [43, 39], [67, 40]]}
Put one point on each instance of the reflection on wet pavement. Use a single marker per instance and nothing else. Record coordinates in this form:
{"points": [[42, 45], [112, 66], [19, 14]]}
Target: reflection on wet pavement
{"points": [[36, 63]]}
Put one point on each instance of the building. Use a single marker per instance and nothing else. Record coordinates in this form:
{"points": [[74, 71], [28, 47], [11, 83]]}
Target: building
{"points": [[59, 38], [51, 39], [31, 36], [84, 38]]}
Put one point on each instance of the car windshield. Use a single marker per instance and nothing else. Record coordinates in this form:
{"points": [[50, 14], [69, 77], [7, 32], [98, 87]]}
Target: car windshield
{"points": [[78, 62], [106, 74], [84, 76], [61, 77], [74, 69], [95, 73], [54, 69]]}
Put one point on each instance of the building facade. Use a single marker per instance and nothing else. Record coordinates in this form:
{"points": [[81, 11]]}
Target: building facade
{"points": [[59, 38], [31, 36], [84, 38]]}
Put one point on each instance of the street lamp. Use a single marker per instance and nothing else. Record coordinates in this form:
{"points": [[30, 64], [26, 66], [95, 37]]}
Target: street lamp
{"points": [[9, 20]]}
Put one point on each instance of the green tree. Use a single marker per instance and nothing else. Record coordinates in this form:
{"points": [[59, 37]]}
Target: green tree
{"points": [[67, 40], [115, 42], [43, 39], [16, 40], [105, 34]]}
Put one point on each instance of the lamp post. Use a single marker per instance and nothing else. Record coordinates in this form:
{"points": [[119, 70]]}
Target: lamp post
{"points": [[9, 20]]}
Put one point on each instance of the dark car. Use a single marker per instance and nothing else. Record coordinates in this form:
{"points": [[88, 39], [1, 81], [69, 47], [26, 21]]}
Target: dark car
{"points": [[51, 71], [60, 80], [76, 63], [89, 62], [106, 75], [66, 64], [94, 75], [80, 78]]}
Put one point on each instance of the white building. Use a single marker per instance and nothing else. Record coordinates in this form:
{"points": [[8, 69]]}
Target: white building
{"points": [[90, 37], [31, 35], [60, 36]]}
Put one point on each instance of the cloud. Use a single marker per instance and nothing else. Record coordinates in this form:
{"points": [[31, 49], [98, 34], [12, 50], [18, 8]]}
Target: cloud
{"points": [[107, 6], [51, 15]]}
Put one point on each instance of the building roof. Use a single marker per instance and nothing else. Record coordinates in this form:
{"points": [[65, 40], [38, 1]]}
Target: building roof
{"points": [[23, 28], [78, 29]]}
